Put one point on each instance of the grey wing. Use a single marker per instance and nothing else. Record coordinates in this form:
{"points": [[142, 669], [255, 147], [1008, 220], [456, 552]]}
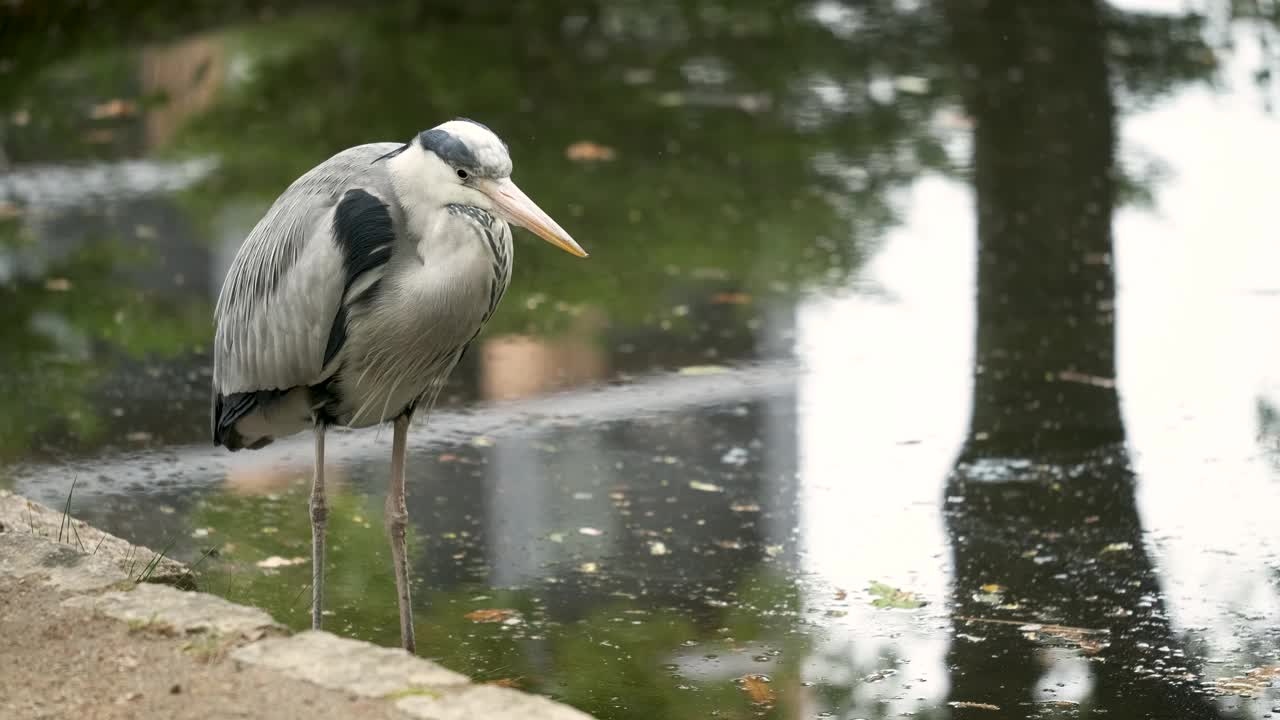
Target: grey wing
{"points": [[283, 299]]}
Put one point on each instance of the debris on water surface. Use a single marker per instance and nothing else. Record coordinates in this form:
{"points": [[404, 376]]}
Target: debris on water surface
{"points": [[757, 688], [745, 507], [879, 675], [1089, 641], [589, 568], [275, 561], [704, 486], [973, 705], [735, 456], [657, 547], [990, 594], [1249, 685], [491, 615], [590, 531], [891, 597]]}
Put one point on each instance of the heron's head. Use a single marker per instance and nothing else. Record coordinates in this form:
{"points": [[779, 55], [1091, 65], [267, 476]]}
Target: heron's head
{"points": [[464, 162]]}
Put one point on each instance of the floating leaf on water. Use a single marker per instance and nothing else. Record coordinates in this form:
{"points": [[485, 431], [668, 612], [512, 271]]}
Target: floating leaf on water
{"points": [[587, 151], [705, 487], [737, 298], [703, 370], [757, 688], [973, 705], [891, 597], [1249, 685], [491, 615]]}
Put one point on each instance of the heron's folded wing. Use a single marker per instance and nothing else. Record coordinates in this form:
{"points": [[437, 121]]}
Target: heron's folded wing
{"points": [[286, 286]]}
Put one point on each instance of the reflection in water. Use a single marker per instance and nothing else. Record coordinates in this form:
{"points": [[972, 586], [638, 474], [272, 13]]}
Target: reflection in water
{"points": [[801, 400]]}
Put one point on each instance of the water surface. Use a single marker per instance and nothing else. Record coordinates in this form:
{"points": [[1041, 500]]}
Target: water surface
{"points": [[925, 363]]}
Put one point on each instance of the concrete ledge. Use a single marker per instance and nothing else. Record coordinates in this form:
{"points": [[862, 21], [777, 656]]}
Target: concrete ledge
{"points": [[227, 653], [20, 516]]}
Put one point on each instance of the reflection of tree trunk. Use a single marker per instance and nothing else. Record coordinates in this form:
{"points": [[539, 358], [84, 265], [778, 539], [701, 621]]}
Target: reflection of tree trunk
{"points": [[1043, 173], [1053, 520]]}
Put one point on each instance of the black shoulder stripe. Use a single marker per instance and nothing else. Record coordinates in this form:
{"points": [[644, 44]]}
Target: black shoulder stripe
{"points": [[363, 229]]}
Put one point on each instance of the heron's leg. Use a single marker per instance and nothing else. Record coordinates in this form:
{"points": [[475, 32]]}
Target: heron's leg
{"points": [[397, 518], [319, 517]]}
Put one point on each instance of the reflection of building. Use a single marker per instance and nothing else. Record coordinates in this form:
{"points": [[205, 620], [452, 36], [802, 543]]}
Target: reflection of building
{"points": [[519, 366], [658, 505]]}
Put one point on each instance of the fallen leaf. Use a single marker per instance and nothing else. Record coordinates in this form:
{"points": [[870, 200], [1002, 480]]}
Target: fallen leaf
{"points": [[757, 688], [891, 597], [587, 151], [974, 705], [490, 615], [735, 298], [57, 284], [113, 109], [505, 682], [840, 594]]}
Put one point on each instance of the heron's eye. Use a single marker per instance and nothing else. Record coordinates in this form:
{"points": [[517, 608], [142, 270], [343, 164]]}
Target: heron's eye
{"points": [[462, 174]]}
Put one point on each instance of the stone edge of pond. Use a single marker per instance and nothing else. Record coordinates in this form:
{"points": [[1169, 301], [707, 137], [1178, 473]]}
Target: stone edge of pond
{"points": [[106, 583]]}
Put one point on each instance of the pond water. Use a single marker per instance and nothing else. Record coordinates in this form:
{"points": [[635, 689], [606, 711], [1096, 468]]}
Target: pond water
{"points": [[927, 361]]}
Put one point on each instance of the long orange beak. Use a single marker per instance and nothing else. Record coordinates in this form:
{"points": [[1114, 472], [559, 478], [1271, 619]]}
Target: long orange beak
{"points": [[522, 211]]}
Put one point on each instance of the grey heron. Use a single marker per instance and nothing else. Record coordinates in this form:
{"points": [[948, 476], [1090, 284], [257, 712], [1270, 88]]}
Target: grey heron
{"points": [[354, 297]]}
